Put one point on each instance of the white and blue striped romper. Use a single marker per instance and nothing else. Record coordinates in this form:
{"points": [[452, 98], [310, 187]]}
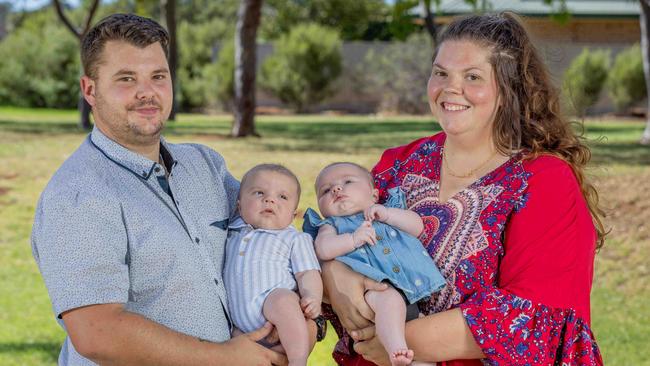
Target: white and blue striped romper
{"points": [[259, 261]]}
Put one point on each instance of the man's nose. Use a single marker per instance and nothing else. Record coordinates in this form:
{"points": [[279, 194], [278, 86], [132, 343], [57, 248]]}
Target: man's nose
{"points": [[145, 90]]}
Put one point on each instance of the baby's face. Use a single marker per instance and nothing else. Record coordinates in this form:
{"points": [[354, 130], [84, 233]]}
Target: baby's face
{"points": [[268, 200], [344, 190]]}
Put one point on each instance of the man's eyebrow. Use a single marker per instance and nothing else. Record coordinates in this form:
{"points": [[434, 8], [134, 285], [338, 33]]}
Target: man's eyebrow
{"points": [[161, 71], [124, 72]]}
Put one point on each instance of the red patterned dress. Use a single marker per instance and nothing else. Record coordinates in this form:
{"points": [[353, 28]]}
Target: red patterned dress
{"points": [[516, 248]]}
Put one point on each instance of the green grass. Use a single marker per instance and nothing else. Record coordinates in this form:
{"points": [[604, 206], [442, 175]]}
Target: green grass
{"points": [[33, 143]]}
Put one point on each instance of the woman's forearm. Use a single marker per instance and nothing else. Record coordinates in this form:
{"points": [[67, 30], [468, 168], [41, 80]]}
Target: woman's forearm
{"points": [[442, 337]]}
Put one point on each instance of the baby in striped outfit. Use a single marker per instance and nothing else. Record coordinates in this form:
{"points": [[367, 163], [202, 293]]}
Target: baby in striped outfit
{"points": [[271, 271]]}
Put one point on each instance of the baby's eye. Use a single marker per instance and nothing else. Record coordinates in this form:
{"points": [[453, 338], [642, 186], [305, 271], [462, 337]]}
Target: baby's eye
{"points": [[326, 190], [348, 181], [284, 197], [257, 193]]}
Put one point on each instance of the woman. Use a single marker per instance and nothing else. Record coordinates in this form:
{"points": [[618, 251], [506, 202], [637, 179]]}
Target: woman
{"points": [[509, 217]]}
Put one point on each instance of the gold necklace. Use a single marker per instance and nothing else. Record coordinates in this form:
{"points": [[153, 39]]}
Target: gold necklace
{"points": [[471, 172]]}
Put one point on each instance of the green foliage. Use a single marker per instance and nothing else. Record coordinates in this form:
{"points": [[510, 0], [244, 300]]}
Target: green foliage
{"points": [[584, 79], [40, 65], [626, 80], [303, 65], [400, 72], [356, 19]]}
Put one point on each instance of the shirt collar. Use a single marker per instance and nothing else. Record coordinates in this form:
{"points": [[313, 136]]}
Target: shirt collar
{"points": [[136, 163], [238, 224]]}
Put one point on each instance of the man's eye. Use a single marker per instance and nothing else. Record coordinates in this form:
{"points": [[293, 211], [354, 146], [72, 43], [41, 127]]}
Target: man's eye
{"points": [[160, 77], [126, 79]]}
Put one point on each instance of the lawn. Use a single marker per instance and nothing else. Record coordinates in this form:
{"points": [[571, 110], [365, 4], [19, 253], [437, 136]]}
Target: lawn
{"points": [[33, 143]]}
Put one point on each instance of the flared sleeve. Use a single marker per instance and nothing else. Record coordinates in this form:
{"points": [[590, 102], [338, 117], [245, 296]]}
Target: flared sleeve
{"points": [[538, 312], [312, 222]]}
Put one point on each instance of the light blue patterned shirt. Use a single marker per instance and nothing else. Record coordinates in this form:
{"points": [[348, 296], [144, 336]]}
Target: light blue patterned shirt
{"points": [[110, 228], [257, 262]]}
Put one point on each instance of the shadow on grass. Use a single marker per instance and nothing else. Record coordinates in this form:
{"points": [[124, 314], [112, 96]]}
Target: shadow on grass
{"points": [[40, 127], [50, 349], [620, 153]]}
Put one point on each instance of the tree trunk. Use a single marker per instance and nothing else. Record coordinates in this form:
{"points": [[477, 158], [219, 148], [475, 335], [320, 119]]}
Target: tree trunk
{"points": [[248, 20], [169, 8], [645, 52], [83, 106], [429, 22]]}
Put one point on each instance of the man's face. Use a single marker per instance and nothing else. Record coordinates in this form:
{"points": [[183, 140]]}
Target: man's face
{"points": [[131, 95]]}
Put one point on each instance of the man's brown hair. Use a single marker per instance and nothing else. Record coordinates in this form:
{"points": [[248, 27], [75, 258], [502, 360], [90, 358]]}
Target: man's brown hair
{"points": [[136, 30]]}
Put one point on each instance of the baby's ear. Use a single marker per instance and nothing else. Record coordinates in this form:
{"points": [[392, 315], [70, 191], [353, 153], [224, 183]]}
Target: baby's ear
{"points": [[375, 195]]}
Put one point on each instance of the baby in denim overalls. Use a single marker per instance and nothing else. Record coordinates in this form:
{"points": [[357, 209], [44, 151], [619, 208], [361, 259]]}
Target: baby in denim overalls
{"points": [[378, 241]]}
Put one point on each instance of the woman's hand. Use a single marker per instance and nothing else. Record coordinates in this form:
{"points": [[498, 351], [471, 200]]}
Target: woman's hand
{"points": [[345, 289], [367, 344]]}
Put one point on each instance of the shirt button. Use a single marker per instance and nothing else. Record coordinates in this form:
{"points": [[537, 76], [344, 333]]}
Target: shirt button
{"points": [[241, 253], [156, 169], [396, 269], [216, 281], [393, 233], [197, 240], [144, 174], [379, 237], [386, 250], [246, 240]]}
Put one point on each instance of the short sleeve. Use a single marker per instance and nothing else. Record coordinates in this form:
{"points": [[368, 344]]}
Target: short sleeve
{"points": [[396, 198], [80, 246], [538, 314], [303, 255], [312, 222]]}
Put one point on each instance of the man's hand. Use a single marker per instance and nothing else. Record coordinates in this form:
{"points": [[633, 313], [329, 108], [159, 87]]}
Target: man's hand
{"points": [[365, 234], [310, 306], [376, 212], [244, 349]]}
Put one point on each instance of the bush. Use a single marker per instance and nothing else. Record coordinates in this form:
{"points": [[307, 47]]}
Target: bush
{"points": [[626, 81], [303, 66], [400, 72], [40, 66], [584, 79]]}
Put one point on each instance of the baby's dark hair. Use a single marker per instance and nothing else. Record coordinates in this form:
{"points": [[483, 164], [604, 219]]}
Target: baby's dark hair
{"points": [[267, 167], [371, 179]]}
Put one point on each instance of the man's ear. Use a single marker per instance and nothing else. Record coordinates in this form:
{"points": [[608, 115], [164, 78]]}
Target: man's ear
{"points": [[88, 89], [375, 195]]}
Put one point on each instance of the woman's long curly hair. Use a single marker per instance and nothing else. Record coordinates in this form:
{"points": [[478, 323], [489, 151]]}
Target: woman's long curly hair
{"points": [[528, 117]]}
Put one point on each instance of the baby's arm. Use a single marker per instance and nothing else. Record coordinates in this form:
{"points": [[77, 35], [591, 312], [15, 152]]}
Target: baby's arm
{"points": [[310, 287], [329, 244], [405, 220]]}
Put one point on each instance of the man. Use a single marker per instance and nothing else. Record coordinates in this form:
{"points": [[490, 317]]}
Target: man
{"points": [[129, 233]]}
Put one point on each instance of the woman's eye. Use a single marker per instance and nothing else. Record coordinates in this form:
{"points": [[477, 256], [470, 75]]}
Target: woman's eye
{"points": [[439, 73], [473, 77]]}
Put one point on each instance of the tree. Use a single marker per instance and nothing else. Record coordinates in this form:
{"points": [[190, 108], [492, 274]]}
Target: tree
{"points": [[248, 20], [84, 107], [644, 19], [168, 7]]}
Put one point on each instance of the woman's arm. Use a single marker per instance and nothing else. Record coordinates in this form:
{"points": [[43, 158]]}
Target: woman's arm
{"points": [[438, 337]]}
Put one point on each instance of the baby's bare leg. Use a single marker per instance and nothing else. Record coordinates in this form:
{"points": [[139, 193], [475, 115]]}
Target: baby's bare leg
{"points": [[390, 316], [282, 309]]}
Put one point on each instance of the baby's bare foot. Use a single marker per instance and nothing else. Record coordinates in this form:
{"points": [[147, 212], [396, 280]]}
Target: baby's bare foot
{"points": [[402, 357]]}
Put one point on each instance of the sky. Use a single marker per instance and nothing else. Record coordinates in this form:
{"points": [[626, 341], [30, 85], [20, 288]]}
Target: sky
{"points": [[33, 4]]}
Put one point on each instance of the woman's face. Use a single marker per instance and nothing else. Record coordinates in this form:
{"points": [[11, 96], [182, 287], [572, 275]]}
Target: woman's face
{"points": [[462, 89]]}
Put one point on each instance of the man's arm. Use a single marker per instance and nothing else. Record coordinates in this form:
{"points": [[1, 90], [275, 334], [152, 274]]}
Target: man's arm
{"points": [[109, 335]]}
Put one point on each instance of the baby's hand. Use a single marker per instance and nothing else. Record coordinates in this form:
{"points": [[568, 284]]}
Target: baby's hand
{"points": [[365, 234], [376, 212], [310, 306]]}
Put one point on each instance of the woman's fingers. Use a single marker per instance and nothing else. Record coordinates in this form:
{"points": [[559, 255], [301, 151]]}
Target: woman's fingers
{"points": [[363, 334]]}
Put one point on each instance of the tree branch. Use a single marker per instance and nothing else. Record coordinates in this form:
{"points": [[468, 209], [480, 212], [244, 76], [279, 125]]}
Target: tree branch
{"points": [[89, 19], [64, 19]]}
